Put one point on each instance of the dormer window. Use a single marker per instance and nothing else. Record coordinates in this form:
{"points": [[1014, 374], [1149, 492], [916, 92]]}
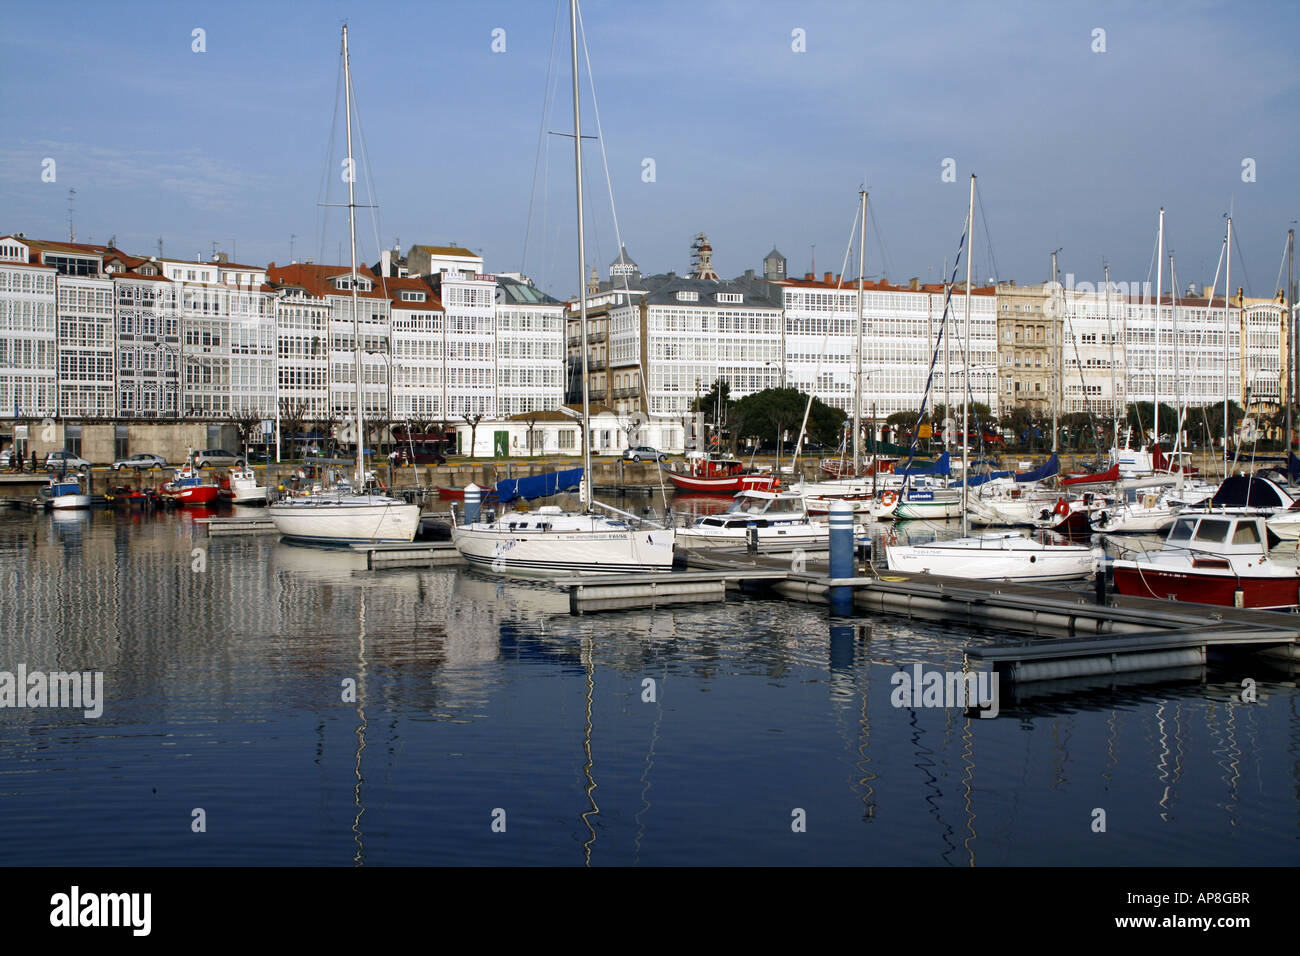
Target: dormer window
{"points": [[409, 295], [685, 296], [730, 297]]}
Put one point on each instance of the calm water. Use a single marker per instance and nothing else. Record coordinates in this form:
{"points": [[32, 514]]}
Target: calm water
{"points": [[224, 671]]}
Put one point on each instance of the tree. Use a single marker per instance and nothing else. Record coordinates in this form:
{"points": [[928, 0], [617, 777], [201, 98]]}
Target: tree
{"points": [[1139, 417], [717, 406], [769, 414], [293, 415], [247, 424], [472, 421]]}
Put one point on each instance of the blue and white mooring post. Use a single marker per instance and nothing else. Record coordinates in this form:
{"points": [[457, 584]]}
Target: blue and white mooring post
{"points": [[840, 598], [473, 501]]}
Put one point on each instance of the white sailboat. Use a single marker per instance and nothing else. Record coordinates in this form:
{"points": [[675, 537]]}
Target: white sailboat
{"points": [[551, 541], [352, 515], [998, 555]]}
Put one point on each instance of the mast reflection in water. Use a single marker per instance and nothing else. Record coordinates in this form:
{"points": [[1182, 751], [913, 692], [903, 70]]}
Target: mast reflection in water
{"points": [[323, 714]]}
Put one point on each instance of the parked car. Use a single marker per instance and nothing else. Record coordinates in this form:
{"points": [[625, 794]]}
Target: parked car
{"points": [[217, 457], [61, 460], [644, 452], [141, 462]]}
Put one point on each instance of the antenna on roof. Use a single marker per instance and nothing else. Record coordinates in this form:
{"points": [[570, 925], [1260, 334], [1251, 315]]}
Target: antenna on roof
{"points": [[292, 237], [72, 232]]}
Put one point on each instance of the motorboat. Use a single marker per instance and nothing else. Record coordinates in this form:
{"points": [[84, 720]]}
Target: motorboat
{"points": [[241, 487], [187, 488], [1218, 559], [716, 474], [778, 518], [64, 493]]}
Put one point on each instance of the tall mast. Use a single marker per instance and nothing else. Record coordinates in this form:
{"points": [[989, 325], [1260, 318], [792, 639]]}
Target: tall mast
{"points": [[352, 245], [857, 373], [1114, 392], [585, 485], [1227, 326], [1155, 383], [1293, 379], [1058, 353], [965, 393]]}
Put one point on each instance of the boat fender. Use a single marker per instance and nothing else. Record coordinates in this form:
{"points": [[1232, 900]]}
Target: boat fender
{"points": [[887, 498], [1102, 519], [1062, 508]]}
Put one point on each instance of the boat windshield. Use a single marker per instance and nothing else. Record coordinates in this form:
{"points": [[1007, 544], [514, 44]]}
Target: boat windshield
{"points": [[1246, 533], [1182, 529], [1212, 530]]}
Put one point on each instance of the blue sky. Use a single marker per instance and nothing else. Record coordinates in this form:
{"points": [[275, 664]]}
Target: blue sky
{"points": [[752, 142]]}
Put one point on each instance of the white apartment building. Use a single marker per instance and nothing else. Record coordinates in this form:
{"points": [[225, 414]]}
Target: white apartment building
{"points": [[302, 350], [419, 361], [1176, 353], [687, 333], [901, 338], [28, 330], [530, 348], [333, 285], [469, 344], [249, 305], [86, 339], [87, 346], [148, 317]]}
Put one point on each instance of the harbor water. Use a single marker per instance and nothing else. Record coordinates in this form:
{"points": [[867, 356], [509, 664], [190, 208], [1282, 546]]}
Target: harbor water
{"points": [[265, 703]]}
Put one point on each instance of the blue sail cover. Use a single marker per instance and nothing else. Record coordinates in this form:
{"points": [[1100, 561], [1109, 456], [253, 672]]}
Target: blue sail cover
{"points": [[539, 486], [1052, 467], [940, 466], [977, 480]]}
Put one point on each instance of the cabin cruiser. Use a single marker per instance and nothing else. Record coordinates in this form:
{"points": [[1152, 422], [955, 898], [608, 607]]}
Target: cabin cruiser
{"points": [[1212, 559], [779, 518]]}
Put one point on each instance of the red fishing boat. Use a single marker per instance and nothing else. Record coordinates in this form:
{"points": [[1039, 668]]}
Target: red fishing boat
{"points": [[713, 474], [187, 488], [1212, 559]]}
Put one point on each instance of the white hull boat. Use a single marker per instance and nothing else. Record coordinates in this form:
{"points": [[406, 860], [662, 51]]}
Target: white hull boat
{"points": [[244, 489], [997, 556], [346, 519], [925, 505], [780, 520], [550, 541]]}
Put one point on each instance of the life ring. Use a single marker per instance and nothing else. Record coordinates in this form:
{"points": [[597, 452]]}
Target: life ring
{"points": [[1062, 508], [887, 498]]}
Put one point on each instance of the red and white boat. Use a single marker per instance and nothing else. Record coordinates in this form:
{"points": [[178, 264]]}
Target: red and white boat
{"points": [[187, 488], [1213, 559], [713, 474]]}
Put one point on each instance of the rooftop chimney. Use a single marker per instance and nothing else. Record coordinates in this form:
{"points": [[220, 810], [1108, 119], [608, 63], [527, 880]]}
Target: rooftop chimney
{"points": [[914, 284], [827, 278], [807, 277]]}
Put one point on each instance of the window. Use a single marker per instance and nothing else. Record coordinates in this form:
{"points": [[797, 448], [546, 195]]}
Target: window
{"points": [[1246, 533], [1213, 530]]}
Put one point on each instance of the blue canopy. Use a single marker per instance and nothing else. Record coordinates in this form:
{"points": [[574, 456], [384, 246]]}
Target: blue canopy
{"points": [[976, 480], [1052, 467], [539, 486]]}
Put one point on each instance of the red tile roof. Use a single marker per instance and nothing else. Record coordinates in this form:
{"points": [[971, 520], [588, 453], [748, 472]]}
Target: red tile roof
{"points": [[315, 279]]}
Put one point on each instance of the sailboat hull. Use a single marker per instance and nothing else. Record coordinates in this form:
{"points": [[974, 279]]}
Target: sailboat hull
{"points": [[361, 520], [546, 553], [995, 558]]}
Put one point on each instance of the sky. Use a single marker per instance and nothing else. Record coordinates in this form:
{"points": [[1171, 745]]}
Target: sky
{"points": [[761, 120]]}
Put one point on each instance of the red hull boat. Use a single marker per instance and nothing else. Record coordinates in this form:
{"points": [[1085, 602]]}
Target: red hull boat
{"points": [[1212, 559], [723, 484], [714, 474]]}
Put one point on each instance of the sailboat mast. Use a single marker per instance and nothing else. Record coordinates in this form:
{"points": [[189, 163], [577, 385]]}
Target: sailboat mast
{"points": [[1058, 353], [1293, 379], [1227, 325], [1114, 392], [857, 372], [965, 394], [585, 485], [352, 245], [1155, 384]]}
